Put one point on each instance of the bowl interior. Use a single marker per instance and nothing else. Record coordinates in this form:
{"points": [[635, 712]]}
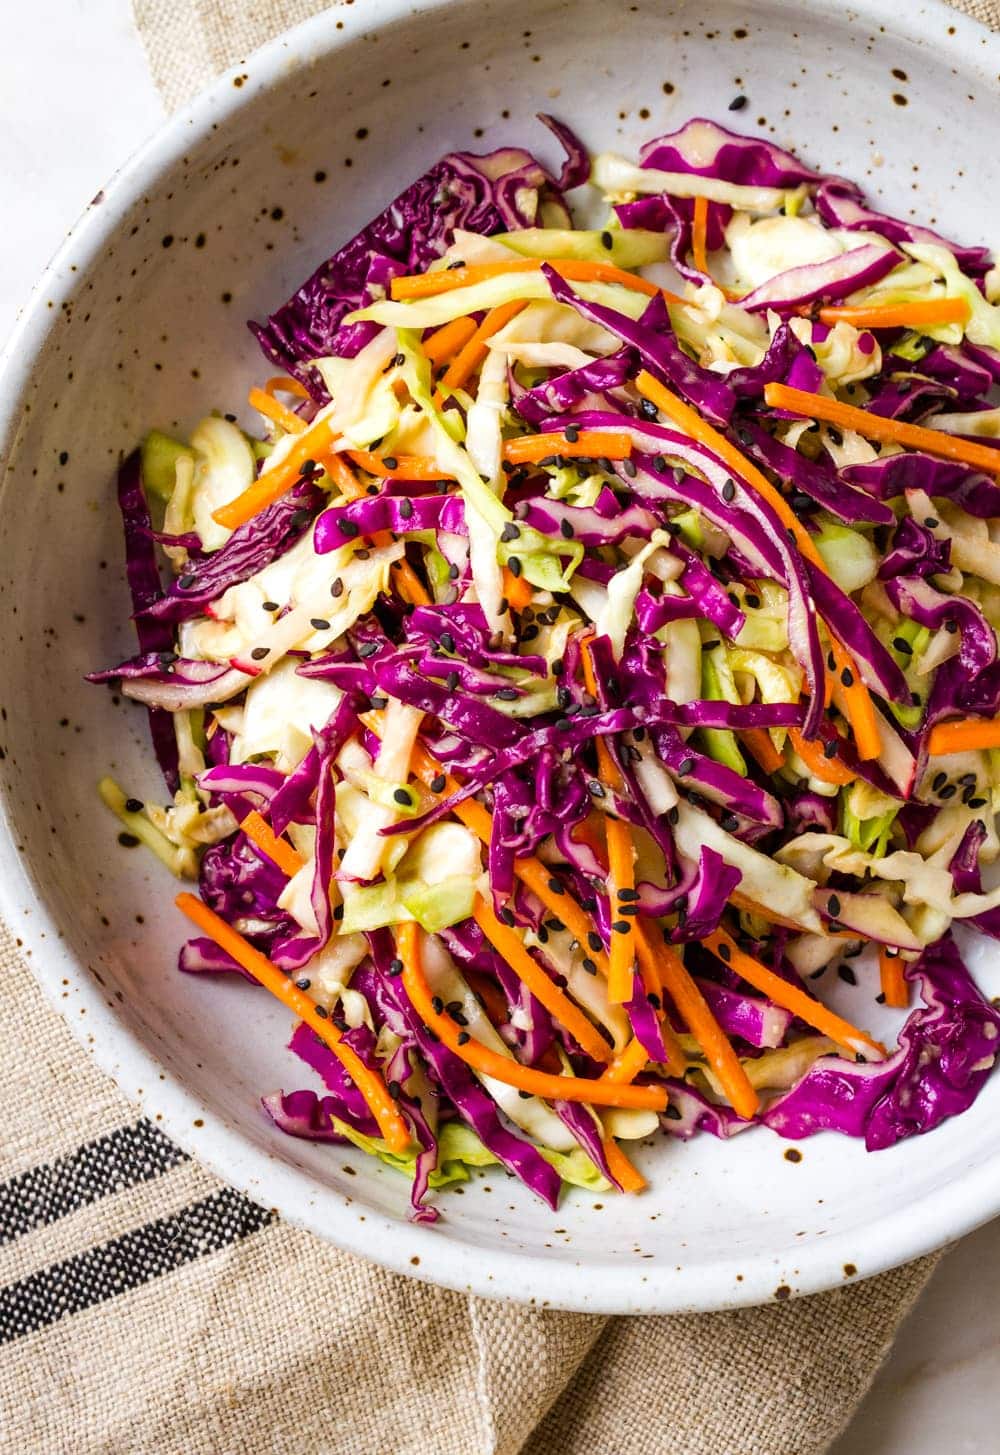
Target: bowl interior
{"points": [[142, 322]]}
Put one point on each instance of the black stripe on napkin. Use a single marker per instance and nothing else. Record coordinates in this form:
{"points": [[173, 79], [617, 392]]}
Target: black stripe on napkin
{"points": [[127, 1262], [120, 1159]]}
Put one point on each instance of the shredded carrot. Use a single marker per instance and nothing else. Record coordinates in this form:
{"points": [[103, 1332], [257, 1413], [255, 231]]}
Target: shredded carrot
{"points": [[699, 252], [269, 487], [517, 590], [445, 342], [509, 945], [369, 1083], [445, 280], [694, 1011], [342, 475], [588, 444], [621, 863], [856, 698], [628, 1177], [878, 427], [265, 404], [504, 1068], [856, 703], [408, 583], [759, 745], [403, 467], [922, 313], [813, 1012], [626, 1067], [966, 735], [278, 850], [621, 884], [895, 987], [471, 355], [827, 770], [284, 384]]}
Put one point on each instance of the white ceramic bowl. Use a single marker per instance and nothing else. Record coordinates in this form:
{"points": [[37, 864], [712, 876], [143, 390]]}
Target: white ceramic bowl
{"points": [[140, 321]]}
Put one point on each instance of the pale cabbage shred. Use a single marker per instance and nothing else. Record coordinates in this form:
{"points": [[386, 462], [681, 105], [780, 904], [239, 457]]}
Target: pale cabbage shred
{"points": [[766, 236]]}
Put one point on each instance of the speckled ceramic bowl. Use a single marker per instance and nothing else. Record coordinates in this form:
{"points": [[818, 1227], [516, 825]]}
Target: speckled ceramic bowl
{"points": [[140, 321]]}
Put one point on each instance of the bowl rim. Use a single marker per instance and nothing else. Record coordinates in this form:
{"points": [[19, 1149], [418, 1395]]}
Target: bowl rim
{"points": [[892, 1239]]}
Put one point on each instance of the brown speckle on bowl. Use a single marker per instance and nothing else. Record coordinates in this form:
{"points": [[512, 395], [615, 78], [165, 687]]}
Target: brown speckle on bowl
{"points": [[900, 99], [793, 1155], [850, 1271], [782, 1291]]}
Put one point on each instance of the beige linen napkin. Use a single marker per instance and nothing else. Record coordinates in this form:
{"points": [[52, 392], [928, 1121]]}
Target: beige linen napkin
{"points": [[147, 1309]]}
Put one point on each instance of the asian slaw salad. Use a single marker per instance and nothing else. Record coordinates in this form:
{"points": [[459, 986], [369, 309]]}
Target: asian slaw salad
{"points": [[589, 668]]}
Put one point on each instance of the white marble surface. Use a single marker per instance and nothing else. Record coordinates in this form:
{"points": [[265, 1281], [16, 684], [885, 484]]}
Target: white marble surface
{"points": [[75, 100]]}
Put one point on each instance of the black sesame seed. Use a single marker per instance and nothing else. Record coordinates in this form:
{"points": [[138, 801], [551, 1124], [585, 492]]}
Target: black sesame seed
{"points": [[437, 1005], [685, 766], [186, 582], [506, 915], [406, 507], [506, 694], [607, 241], [566, 530], [595, 942], [630, 909], [453, 572], [830, 748], [847, 974], [464, 1038], [977, 802], [724, 953], [847, 677], [728, 491], [648, 409], [438, 783], [390, 462], [752, 600], [628, 894], [729, 822], [134, 805], [127, 840], [259, 653], [902, 645], [571, 433], [833, 905], [376, 702], [395, 968], [304, 983], [337, 589], [322, 1012], [557, 667], [948, 791], [595, 789], [931, 522], [659, 463], [319, 623], [514, 565], [951, 626], [403, 796], [621, 926], [349, 528], [815, 974], [588, 965], [367, 649], [673, 816], [737, 103]]}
